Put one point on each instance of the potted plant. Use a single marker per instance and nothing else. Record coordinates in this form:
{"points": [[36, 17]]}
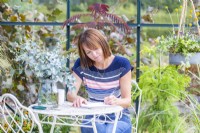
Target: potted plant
{"points": [[48, 64], [183, 46]]}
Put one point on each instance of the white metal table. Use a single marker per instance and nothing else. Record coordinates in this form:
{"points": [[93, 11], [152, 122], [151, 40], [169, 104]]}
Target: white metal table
{"points": [[66, 114]]}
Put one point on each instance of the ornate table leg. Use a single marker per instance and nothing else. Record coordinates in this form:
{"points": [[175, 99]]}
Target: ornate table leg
{"points": [[53, 124], [116, 120], [38, 119], [93, 124]]}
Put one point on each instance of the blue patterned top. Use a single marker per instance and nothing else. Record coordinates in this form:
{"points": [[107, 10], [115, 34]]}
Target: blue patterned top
{"points": [[102, 83]]}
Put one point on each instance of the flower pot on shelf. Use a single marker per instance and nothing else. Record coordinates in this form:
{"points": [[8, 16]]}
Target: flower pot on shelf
{"points": [[48, 94], [178, 58]]}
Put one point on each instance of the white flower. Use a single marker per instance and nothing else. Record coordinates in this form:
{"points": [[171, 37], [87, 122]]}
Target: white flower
{"points": [[7, 83], [116, 36], [20, 87]]}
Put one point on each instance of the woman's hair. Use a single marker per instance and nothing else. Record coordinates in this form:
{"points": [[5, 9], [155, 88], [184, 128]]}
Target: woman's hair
{"points": [[92, 39]]}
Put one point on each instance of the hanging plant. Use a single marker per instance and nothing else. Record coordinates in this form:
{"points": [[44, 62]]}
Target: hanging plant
{"points": [[184, 45]]}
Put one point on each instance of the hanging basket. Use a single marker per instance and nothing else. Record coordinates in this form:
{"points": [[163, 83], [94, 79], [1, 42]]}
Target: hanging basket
{"points": [[178, 58], [192, 58]]}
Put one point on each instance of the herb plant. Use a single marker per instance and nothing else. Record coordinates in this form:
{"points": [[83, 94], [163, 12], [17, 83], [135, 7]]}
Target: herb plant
{"points": [[161, 87]]}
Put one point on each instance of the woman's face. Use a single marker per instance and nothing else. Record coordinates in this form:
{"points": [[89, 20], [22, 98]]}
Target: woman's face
{"points": [[94, 54]]}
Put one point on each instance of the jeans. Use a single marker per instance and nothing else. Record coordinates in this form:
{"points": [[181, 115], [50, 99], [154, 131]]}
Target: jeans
{"points": [[123, 125]]}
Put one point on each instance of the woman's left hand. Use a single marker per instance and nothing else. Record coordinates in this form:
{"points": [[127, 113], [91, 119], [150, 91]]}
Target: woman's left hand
{"points": [[111, 100]]}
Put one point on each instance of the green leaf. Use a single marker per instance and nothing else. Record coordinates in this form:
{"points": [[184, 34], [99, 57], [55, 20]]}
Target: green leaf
{"points": [[56, 12]]}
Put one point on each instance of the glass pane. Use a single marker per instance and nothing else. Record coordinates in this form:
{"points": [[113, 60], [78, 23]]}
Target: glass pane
{"points": [[40, 34], [12, 37], [160, 11], [124, 8], [149, 54], [37, 10]]}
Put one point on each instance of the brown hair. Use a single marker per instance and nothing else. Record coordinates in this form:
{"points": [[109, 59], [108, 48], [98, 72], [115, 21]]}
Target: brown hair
{"points": [[92, 39]]}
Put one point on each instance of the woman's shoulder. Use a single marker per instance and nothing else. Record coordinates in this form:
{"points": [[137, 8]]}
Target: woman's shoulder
{"points": [[121, 59], [77, 63], [123, 62]]}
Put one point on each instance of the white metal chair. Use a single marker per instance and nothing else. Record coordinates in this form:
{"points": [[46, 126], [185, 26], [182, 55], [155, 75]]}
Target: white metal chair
{"points": [[15, 117], [136, 90]]}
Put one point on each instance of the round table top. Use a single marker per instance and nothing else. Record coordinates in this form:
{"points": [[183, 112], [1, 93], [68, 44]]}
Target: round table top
{"points": [[89, 109]]}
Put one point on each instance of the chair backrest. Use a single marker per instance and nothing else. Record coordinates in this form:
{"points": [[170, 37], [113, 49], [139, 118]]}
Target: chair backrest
{"points": [[15, 117], [136, 111]]}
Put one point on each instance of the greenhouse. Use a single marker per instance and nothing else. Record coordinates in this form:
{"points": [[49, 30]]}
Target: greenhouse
{"points": [[99, 66]]}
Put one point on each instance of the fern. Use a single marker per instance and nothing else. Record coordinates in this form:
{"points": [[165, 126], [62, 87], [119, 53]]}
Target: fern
{"points": [[161, 87]]}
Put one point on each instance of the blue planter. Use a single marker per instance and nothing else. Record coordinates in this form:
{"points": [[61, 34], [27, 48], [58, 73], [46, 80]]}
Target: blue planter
{"points": [[178, 58]]}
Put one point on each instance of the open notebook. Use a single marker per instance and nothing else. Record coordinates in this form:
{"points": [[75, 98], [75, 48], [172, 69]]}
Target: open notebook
{"points": [[93, 105]]}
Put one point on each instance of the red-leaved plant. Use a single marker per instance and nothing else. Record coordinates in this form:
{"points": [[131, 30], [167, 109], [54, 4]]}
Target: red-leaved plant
{"points": [[101, 17]]}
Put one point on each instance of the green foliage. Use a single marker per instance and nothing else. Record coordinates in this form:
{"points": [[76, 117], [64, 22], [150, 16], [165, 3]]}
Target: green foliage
{"points": [[161, 81], [157, 119], [187, 43], [127, 8], [161, 87], [3, 1], [154, 33], [11, 37], [79, 7], [45, 63], [47, 127], [18, 123], [172, 4], [53, 15]]}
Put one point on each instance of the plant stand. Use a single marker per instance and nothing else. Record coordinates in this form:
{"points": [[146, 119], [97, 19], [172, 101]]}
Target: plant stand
{"points": [[179, 58]]}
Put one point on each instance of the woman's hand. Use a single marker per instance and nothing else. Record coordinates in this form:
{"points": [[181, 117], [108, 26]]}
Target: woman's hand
{"points": [[111, 100], [79, 101]]}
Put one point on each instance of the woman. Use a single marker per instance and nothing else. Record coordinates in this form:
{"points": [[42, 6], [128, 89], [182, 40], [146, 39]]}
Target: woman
{"points": [[107, 78]]}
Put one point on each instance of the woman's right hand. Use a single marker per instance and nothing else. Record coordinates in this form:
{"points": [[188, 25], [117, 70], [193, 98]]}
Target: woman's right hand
{"points": [[79, 101]]}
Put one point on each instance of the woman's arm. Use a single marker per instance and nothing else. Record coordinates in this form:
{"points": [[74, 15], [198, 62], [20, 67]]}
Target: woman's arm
{"points": [[72, 95], [125, 87]]}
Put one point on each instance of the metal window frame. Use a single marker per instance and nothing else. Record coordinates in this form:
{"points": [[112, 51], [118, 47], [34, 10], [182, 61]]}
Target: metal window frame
{"points": [[137, 25]]}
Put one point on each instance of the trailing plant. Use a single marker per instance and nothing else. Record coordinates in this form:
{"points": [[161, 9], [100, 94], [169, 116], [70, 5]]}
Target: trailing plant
{"points": [[182, 41], [45, 62], [185, 44], [162, 87]]}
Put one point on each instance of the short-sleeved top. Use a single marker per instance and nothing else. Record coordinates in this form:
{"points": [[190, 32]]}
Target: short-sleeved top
{"points": [[102, 83]]}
